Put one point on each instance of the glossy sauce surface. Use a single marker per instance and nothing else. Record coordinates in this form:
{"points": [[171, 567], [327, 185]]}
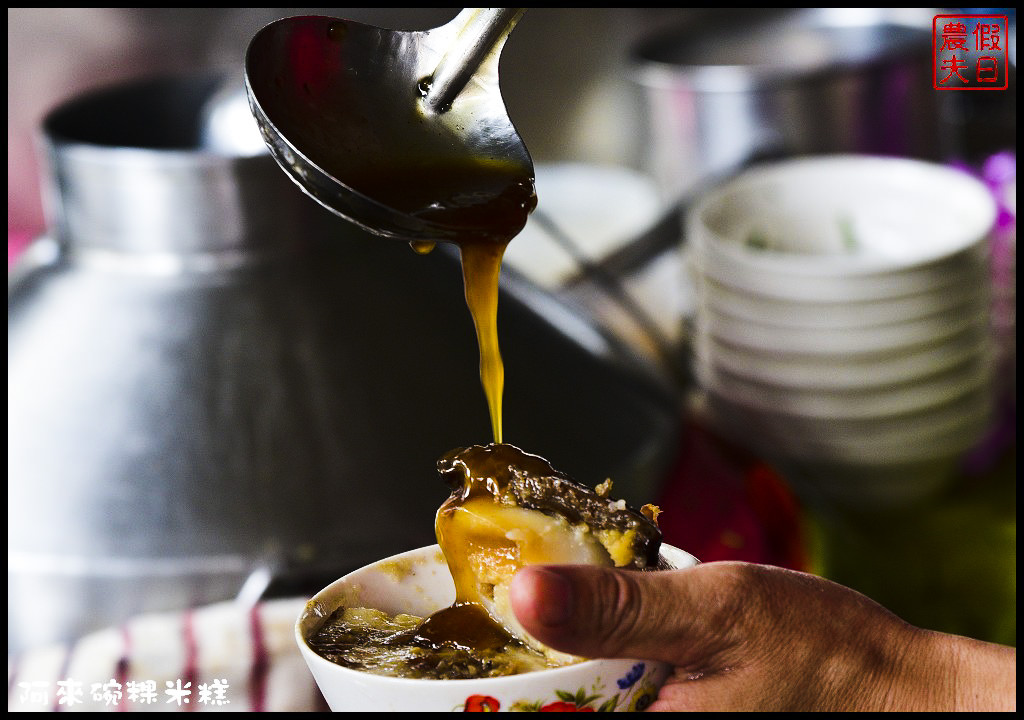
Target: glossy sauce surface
{"points": [[406, 646], [467, 525], [473, 528], [507, 509]]}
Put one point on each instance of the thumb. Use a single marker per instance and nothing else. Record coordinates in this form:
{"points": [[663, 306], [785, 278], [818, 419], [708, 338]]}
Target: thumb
{"points": [[603, 612]]}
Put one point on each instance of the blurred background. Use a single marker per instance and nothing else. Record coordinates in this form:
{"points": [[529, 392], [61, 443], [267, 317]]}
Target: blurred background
{"points": [[581, 111], [585, 109], [219, 391]]}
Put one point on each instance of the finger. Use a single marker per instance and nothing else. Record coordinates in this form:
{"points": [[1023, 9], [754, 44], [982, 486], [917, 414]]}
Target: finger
{"points": [[679, 616]]}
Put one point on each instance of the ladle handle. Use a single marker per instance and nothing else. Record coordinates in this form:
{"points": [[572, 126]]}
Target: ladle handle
{"points": [[482, 30]]}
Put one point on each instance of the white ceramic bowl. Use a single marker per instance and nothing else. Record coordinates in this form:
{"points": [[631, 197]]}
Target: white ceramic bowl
{"points": [[892, 451], [847, 372], [843, 341], [904, 432], [873, 402], [965, 269], [843, 216], [928, 434], [418, 582], [871, 476], [747, 306]]}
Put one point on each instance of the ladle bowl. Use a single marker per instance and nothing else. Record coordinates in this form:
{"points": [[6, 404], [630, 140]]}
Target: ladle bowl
{"points": [[357, 117]]}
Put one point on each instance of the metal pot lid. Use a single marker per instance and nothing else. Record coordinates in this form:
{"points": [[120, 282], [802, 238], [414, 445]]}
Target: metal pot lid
{"points": [[722, 55]]}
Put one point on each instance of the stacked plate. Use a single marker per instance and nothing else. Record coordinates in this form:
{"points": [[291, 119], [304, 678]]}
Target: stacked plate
{"points": [[843, 321], [1004, 284]]}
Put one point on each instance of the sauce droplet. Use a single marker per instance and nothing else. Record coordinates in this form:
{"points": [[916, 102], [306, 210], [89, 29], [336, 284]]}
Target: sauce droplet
{"points": [[337, 31]]}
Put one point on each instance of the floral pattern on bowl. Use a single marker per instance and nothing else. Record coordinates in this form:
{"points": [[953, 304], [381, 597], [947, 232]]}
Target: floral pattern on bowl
{"points": [[637, 690]]}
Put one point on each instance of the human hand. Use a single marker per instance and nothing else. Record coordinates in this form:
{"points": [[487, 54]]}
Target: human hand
{"points": [[758, 638]]}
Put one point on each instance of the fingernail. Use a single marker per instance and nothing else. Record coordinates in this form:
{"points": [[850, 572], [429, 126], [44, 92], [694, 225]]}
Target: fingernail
{"points": [[555, 593]]}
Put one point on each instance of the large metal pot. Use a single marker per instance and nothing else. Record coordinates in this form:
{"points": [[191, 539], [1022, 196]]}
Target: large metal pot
{"points": [[211, 379], [730, 89]]}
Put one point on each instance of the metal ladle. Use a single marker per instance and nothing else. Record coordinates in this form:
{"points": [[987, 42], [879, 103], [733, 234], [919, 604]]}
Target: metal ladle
{"points": [[403, 133]]}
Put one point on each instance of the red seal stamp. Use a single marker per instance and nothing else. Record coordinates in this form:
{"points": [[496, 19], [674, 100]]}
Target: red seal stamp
{"points": [[970, 52]]}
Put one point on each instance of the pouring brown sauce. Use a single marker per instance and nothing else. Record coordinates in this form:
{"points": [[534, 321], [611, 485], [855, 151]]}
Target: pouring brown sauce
{"points": [[482, 204], [487, 204], [489, 207]]}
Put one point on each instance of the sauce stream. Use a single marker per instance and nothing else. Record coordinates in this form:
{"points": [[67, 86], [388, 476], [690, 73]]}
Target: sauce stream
{"points": [[477, 204], [481, 268]]}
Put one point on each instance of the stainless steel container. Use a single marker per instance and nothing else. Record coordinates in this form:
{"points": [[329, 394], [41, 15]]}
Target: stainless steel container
{"points": [[730, 89], [212, 380]]}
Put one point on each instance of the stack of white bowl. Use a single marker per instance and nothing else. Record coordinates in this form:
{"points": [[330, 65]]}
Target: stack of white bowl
{"points": [[1004, 291], [842, 325]]}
